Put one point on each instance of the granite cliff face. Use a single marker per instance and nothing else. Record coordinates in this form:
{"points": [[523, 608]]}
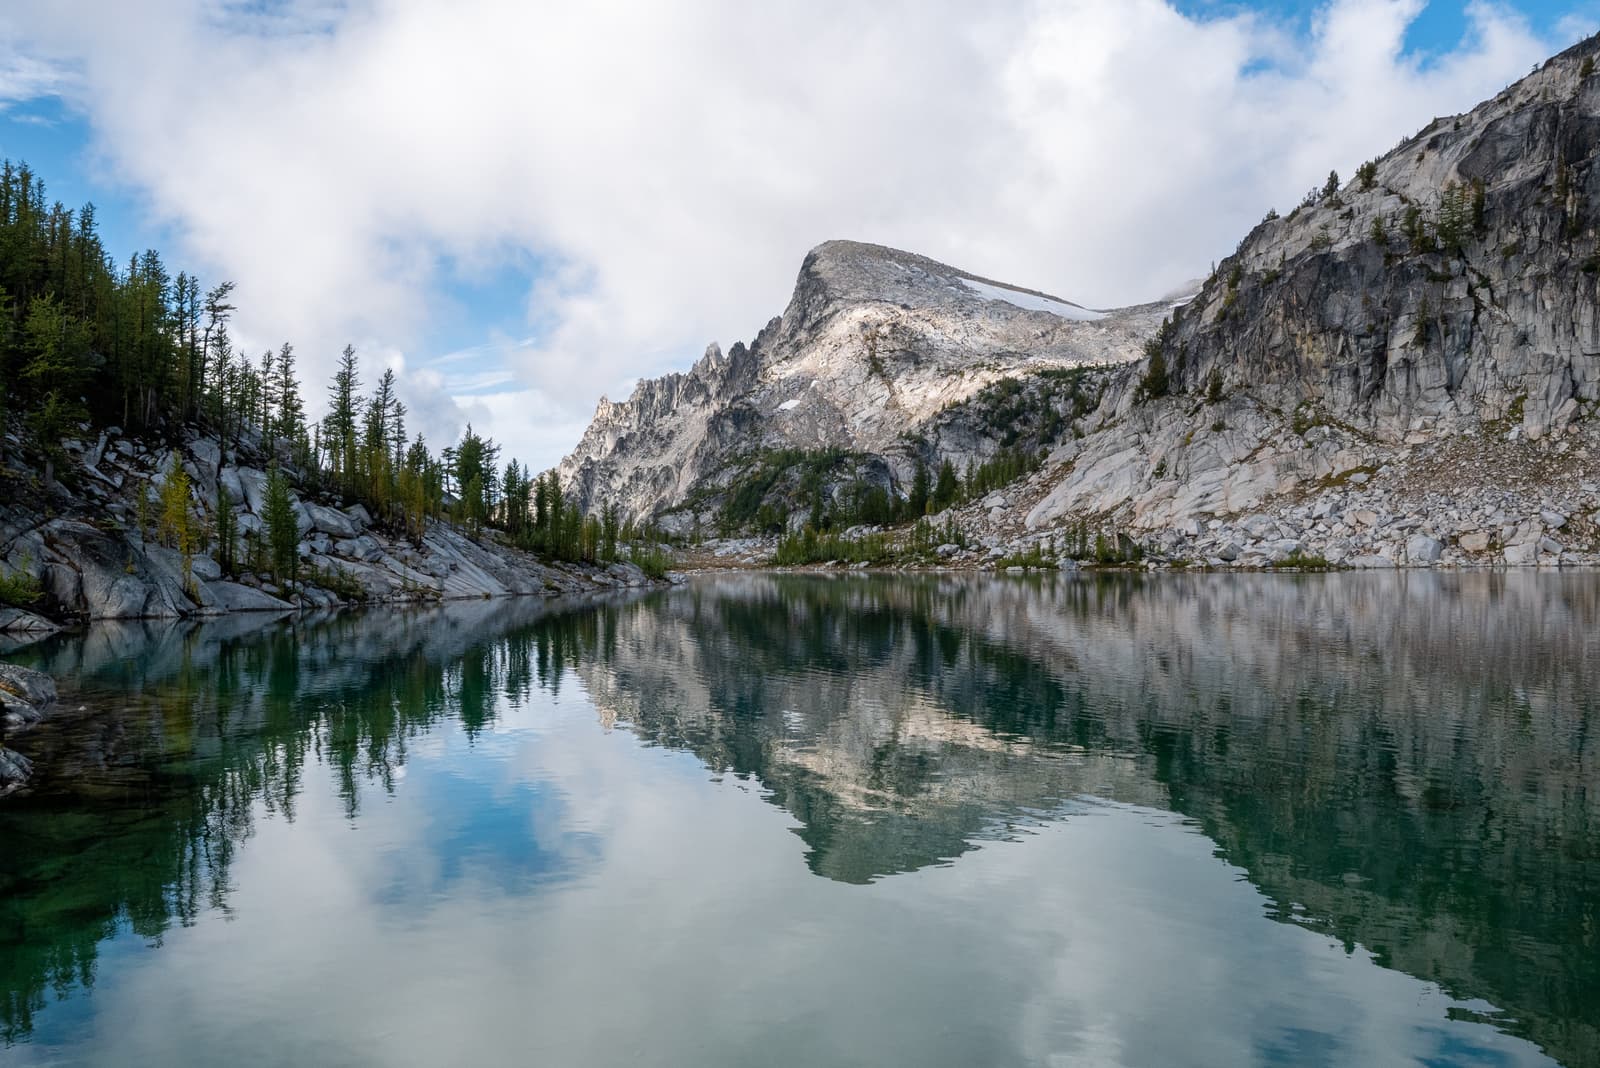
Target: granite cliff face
{"points": [[1403, 370], [1413, 353], [875, 346]]}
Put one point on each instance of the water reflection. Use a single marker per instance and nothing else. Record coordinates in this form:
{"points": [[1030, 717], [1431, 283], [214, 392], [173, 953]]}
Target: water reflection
{"points": [[1400, 763]]}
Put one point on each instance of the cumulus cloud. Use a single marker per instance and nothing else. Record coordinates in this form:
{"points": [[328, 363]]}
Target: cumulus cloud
{"points": [[667, 166]]}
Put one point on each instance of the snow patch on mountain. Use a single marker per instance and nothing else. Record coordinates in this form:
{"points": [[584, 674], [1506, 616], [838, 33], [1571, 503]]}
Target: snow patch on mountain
{"points": [[1033, 301]]}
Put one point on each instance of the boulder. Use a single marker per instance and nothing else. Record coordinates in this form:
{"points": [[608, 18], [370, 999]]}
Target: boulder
{"points": [[330, 521], [253, 488], [1421, 549], [15, 770], [25, 696], [1475, 542], [90, 573], [1521, 554], [216, 597], [21, 621]]}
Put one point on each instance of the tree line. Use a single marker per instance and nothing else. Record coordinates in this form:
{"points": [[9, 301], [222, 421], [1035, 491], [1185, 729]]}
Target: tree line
{"points": [[87, 339]]}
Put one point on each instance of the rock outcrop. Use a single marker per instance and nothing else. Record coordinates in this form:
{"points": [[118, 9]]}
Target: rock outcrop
{"points": [[1403, 370], [89, 549], [25, 697]]}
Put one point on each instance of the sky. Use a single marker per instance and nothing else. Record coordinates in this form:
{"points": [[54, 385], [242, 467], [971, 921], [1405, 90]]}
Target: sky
{"points": [[522, 206]]}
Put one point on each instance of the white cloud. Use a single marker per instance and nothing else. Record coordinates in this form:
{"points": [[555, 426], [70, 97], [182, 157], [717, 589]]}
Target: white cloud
{"points": [[670, 164]]}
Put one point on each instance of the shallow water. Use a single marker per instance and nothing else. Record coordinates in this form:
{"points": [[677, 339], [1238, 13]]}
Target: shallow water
{"points": [[1229, 820]]}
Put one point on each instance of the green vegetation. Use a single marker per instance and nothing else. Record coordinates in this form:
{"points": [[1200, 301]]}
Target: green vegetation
{"points": [[84, 339], [919, 545], [1032, 411], [1154, 382], [1300, 562], [811, 547], [282, 529], [1214, 386], [1032, 558], [650, 558], [1415, 228], [1367, 175], [339, 582], [20, 589]]}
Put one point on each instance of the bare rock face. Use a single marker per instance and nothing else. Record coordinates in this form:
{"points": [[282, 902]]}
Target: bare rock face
{"points": [[1457, 282], [1445, 301], [874, 346]]}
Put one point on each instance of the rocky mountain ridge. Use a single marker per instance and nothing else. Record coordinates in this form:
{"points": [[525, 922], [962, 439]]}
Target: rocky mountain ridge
{"points": [[875, 345], [1403, 370]]}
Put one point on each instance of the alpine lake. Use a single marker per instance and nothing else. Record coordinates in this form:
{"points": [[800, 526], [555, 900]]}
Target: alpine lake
{"points": [[1075, 819]]}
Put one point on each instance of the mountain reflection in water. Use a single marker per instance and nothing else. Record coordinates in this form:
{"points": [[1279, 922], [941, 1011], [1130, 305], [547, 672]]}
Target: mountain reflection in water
{"points": [[1402, 764]]}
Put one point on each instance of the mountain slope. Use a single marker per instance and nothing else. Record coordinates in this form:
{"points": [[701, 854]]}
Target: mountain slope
{"points": [[1420, 344], [1403, 370], [874, 345]]}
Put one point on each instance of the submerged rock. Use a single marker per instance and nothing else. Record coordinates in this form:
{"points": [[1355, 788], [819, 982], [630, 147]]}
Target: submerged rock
{"points": [[25, 698]]}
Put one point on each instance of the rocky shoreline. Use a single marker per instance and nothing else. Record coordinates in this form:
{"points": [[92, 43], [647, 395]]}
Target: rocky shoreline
{"points": [[88, 545], [25, 698]]}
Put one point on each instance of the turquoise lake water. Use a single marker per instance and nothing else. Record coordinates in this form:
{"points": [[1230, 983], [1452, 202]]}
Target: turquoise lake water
{"points": [[810, 820]]}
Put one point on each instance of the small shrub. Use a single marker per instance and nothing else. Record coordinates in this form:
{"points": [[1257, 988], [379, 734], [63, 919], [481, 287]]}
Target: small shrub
{"points": [[1154, 382], [653, 560], [1033, 558], [339, 582], [1301, 562], [20, 589]]}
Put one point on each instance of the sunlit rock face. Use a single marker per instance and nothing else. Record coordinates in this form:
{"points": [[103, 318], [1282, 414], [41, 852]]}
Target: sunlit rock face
{"points": [[875, 344], [1419, 343], [1430, 325]]}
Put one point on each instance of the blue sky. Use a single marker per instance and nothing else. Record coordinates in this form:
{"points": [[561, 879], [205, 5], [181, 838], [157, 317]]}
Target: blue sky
{"points": [[523, 208]]}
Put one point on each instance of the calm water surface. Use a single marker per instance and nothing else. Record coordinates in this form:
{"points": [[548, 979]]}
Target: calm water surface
{"points": [[1185, 820]]}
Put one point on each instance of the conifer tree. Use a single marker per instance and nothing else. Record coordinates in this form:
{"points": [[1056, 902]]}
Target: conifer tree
{"points": [[282, 528], [946, 489], [917, 502]]}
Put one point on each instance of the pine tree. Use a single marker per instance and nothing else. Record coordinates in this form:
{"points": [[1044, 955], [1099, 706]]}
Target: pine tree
{"points": [[1154, 382], [291, 425], [282, 528], [227, 534], [917, 502], [343, 410], [946, 489]]}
